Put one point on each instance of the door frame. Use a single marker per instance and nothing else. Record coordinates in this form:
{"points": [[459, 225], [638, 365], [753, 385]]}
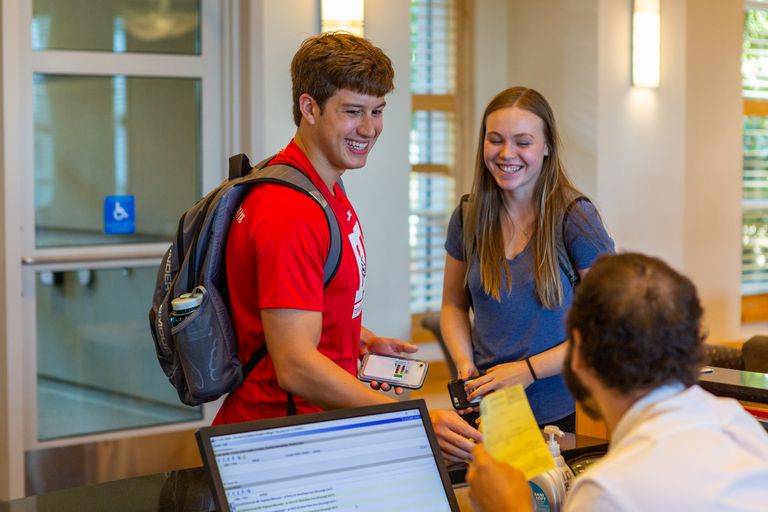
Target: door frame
{"points": [[21, 260]]}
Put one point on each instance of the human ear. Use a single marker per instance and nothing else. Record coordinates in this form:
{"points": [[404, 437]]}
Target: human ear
{"points": [[576, 360], [586, 374], [307, 106]]}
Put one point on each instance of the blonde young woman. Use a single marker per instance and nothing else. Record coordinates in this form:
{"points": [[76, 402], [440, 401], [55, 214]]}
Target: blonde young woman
{"points": [[503, 265]]}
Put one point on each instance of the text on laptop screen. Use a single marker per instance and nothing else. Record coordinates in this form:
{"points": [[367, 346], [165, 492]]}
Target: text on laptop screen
{"points": [[377, 462]]}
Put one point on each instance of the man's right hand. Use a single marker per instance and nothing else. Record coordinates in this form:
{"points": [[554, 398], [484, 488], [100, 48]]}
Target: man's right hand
{"points": [[454, 435], [494, 486]]}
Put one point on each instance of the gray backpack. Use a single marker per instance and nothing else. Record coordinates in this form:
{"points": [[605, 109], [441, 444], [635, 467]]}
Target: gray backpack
{"points": [[199, 355]]}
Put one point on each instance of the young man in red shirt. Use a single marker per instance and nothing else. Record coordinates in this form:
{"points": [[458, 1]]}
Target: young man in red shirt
{"points": [[279, 241]]}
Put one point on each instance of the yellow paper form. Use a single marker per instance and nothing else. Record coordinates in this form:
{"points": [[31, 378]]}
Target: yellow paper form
{"points": [[510, 432]]}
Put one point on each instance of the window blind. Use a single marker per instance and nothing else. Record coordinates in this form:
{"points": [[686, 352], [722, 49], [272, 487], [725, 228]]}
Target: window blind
{"points": [[433, 46], [432, 146], [754, 66]]}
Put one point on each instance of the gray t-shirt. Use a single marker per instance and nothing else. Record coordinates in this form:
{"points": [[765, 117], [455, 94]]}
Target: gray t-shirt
{"points": [[519, 326]]}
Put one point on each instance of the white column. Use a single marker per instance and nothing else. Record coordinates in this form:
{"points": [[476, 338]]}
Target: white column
{"points": [[380, 190], [11, 347]]}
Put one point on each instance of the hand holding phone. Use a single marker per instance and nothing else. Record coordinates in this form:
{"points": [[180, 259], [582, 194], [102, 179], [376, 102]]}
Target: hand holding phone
{"points": [[397, 371], [459, 395]]}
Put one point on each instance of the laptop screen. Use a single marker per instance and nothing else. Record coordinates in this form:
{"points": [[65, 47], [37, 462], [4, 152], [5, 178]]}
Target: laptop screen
{"points": [[372, 458]]}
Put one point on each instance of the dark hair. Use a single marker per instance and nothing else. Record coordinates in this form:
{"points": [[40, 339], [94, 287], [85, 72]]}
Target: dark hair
{"points": [[338, 60], [640, 323]]}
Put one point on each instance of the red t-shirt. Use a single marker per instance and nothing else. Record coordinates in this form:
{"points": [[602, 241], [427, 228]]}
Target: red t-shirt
{"points": [[277, 247]]}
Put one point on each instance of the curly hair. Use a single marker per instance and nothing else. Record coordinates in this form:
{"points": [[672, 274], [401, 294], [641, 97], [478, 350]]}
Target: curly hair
{"points": [[339, 60], [640, 323]]}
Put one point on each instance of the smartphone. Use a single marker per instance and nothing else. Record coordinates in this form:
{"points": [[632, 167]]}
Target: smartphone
{"points": [[459, 396], [398, 371]]}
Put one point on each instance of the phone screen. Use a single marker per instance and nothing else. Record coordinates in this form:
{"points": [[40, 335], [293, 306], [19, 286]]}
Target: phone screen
{"points": [[394, 370]]}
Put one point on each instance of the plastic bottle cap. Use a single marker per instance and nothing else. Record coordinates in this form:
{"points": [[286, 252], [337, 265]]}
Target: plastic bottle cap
{"points": [[187, 301], [552, 444]]}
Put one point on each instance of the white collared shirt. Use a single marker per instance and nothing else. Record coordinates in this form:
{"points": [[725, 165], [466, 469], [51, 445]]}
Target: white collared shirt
{"points": [[679, 449]]}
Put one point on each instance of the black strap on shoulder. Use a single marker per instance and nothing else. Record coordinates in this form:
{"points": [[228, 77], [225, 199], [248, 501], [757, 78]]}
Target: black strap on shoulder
{"points": [[464, 216], [291, 411], [251, 364], [563, 257], [239, 166], [254, 360], [564, 260], [462, 210]]}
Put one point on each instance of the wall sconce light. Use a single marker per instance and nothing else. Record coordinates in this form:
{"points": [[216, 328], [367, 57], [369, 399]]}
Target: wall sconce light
{"points": [[346, 15], [646, 43]]}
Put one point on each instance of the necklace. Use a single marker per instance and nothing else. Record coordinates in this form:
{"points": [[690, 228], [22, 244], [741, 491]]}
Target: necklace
{"points": [[526, 232]]}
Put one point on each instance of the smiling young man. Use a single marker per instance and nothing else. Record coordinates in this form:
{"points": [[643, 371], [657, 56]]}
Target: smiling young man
{"points": [[280, 238]]}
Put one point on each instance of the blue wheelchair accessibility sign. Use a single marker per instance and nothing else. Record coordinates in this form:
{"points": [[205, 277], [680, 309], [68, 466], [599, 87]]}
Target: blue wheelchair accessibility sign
{"points": [[119, 215]]}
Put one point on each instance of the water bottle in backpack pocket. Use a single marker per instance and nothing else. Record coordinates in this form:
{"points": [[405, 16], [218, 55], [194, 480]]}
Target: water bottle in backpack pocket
{"points": [[209, 364], [184, 305], [194, 337]]}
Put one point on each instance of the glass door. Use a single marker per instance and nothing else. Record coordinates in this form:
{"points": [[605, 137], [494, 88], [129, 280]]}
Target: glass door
{"points": [[123, 124]]}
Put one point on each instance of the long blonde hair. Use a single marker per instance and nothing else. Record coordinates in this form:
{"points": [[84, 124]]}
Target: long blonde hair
{"points": [[553, 193]]}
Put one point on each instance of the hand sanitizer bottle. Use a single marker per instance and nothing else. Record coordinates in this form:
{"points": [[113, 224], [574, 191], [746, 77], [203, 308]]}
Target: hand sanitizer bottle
{"points": [[549, 488]]}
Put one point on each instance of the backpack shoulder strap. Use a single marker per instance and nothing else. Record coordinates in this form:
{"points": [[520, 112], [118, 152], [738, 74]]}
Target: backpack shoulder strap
{"points": [[293, 178], [239, 166], [462, 209], [464, 212], [563, 257]]}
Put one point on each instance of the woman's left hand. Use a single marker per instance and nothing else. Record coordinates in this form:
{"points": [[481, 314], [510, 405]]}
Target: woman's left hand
{"points": [[499, 377]]}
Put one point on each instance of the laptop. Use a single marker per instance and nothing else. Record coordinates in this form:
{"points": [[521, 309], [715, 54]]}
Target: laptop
{"points": [[382, 457]]}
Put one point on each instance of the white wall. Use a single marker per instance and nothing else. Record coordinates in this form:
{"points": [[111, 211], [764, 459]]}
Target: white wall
{"points": [[641, 138], [491, 55], [669, 160], [379, 191], [281, 28], [713, 166], [552, 48]]}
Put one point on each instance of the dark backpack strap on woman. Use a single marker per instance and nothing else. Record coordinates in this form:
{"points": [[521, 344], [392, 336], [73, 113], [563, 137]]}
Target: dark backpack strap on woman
{"points": [[563, 257]]}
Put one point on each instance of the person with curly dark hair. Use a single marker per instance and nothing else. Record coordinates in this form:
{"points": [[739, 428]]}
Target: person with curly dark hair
{"points": [[634, 360]]}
